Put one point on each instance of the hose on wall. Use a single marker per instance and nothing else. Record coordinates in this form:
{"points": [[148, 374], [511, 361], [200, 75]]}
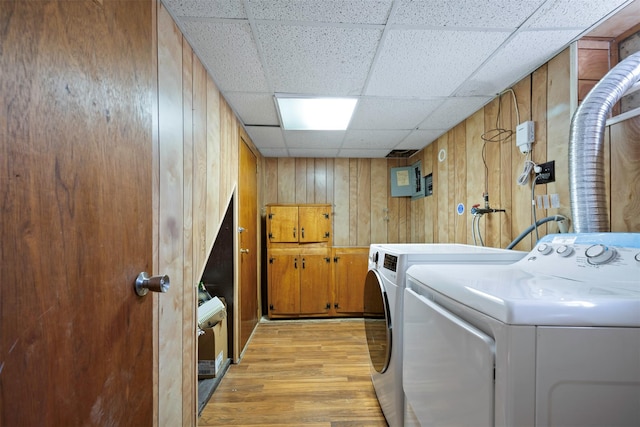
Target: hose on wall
{"points": [[586, 146]]}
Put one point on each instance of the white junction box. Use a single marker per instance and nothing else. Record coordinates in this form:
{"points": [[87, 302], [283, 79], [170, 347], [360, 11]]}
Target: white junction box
{"points": [[525, 135]]}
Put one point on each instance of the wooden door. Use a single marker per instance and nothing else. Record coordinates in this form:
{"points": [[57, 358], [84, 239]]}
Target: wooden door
{"points": [[282, 223], [314, 223], [350, 272], [76, 205], [315, 283], [248, 223], [284, 283]]}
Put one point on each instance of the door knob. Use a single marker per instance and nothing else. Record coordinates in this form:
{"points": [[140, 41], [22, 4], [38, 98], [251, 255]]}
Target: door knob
{"points": [[244, 251], [144, 284]]}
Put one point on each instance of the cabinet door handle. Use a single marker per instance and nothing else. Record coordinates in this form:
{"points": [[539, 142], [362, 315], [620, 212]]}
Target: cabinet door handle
{"points": [[295, 263], [302, 230], [294, 232], [302, 262]]}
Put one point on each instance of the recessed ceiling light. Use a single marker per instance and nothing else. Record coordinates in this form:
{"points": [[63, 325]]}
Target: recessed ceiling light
{"points": [[299, 113]]}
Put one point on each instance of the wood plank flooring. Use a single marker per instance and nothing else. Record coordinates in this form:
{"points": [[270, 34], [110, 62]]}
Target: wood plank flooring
{"points": [[312, 373]]}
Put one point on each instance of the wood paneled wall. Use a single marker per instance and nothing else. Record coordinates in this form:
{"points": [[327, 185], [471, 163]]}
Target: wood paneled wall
{"points": [[196, 174], [365, 213]]}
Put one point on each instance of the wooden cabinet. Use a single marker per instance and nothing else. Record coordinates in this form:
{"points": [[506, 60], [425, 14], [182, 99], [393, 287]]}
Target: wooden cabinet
{"points": [[299, 282], [299, 224], [350, 266], [306, 276]]}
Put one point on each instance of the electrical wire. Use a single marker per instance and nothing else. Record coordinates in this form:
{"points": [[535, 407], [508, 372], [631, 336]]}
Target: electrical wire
{"points": [[533, 207]]}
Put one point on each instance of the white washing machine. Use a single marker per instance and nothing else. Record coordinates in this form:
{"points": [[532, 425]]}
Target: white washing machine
{"points": [[383, 307], [551, 340]]}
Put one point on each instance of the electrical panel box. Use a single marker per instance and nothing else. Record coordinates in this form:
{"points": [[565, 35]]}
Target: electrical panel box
{"points": [[407, 181]]}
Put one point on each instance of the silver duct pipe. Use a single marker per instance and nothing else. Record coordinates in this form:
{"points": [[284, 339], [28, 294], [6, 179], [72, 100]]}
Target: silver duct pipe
{"points": [[586, 141]]}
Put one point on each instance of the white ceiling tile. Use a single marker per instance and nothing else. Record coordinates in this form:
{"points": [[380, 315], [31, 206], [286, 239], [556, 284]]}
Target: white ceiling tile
{"points": [[373, 139], [363, 153], [453, 111], [313, 152], [389, 113], [311, 139], [228, 50], [571, 13], [233, 9], [254, 108], [266, 136], [427, 63], [521, 56], [341, 11], [419, 139], [318, 59], [273, 152], [465, 13]]}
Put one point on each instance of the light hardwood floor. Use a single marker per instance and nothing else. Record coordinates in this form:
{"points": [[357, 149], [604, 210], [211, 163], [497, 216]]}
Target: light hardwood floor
{"points": [[299, 373]]}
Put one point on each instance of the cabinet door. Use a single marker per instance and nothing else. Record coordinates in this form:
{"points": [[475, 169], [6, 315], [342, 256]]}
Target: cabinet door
{"points": [[350, 269], [284, 284], [315, 224], [315, 284], [282, 222]]}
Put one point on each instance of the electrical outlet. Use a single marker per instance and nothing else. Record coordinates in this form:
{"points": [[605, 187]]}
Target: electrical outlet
{"points": [[547, 173]]}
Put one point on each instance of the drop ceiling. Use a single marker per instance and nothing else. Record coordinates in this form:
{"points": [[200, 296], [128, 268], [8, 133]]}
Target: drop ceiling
{"points": [[418, 68]]}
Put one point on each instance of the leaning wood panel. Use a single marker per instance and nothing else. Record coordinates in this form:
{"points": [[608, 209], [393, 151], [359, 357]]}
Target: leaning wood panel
{"points": [[625, 177], [341, 203], [171, 250], [379, 211], [189, 361]]}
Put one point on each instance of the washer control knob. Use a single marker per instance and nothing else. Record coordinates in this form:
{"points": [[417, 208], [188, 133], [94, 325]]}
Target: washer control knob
{"points": [[545, 249], [599, 254], [564, 251], [637, 257]]}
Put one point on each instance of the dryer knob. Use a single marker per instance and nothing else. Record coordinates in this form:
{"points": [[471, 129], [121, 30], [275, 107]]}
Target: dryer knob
{"points": [[599, 254], [564, 251], [545, 249]]}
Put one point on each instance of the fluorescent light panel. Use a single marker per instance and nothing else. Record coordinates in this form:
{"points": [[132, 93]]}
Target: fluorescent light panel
{"points": [[298, 113]]}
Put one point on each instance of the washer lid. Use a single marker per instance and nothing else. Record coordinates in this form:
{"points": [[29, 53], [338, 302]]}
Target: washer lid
{"points": [[518, 297]]}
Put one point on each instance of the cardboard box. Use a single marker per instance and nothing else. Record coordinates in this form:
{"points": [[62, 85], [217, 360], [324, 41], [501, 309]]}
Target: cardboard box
{"points": [[212, 350]]}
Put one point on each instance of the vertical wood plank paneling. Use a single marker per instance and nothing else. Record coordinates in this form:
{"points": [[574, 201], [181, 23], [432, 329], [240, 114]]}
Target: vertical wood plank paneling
{"points": [[475, 170], [451, 177], [228, 155], [311, 181], [379, 209], [353, 202], [341, 202], [520, 212], [319, 180], [417, 207], [270, 190], [443, 191], [363, 202], [489, 225], [330, 198], [539, 116], [428, 166], [286, 180], [199, 167], [392, 206], [625, 177], [171, 220], [460, 221], [506, 182], [189, 361], [558, 119], [301, 180], [214, 135]]}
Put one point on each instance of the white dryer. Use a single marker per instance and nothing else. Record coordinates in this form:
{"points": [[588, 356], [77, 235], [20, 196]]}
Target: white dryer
{"points": [[551, 340], [383, 307]]}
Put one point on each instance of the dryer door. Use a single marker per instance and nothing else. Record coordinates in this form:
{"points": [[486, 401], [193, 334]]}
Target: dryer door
{"points": [[377, 321]]}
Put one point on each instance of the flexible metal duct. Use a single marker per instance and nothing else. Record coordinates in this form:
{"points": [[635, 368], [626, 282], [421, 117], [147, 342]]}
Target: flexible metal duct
{"points": [[586, 141]]}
